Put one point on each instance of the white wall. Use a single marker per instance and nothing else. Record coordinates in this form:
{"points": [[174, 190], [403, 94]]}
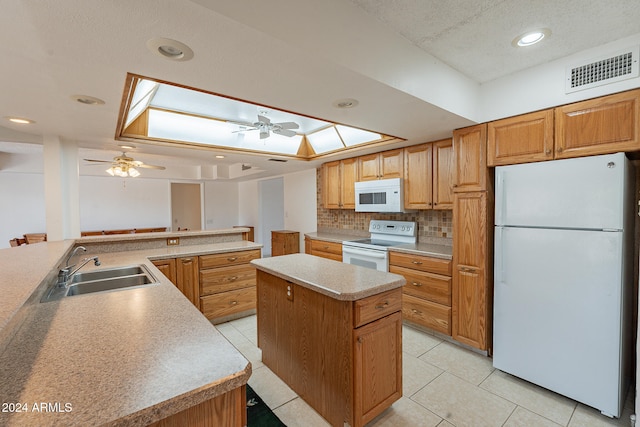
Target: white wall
{"points": [[221, 205], [23, 207], [186, 206], [542, 87], [115, 203]]}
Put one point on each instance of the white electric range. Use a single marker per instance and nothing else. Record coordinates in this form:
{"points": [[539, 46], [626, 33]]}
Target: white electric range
{"points": [[374, 251]]}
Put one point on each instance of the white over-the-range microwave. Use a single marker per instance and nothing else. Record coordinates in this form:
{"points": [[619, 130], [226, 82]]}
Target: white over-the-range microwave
{"points": [[383, 195]]}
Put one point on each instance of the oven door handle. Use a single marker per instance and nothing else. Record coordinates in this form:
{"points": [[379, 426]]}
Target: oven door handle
{"points": [[370, 254]]}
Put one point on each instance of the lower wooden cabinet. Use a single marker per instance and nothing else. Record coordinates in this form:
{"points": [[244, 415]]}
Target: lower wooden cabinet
{"points": [[167, 267], [183, 272], [344, 358], [285, 242], [228, 303], [324, 249], [426, 299]]}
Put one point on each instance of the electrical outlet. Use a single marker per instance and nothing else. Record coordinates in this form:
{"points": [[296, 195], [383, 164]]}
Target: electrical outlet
{"points": [[173, 241]]}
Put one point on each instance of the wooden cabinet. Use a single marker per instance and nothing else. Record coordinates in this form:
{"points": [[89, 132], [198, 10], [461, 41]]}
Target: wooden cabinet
{"points": [[167, 267], [472, 269], [227, 284], [470, 151], [339, 180], [603, 125], [521, 139], [187, 278], [323, 248], [384, 165], [344, 358], [428, 175], [426, 298], [248, 235], [285, 242]]}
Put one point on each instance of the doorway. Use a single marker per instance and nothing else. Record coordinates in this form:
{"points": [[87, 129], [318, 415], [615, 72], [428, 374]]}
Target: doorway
{"points": [[271, 206], [186, 206]]}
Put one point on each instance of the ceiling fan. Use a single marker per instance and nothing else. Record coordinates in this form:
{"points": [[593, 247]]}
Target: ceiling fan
{"points": [[265, 126], [124, 166]]}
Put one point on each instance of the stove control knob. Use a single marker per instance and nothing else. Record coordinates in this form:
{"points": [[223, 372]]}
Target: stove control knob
{"points": [[403, 228]]}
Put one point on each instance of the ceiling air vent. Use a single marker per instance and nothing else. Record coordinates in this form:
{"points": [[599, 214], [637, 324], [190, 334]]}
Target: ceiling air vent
{"points": [[278, 160], [620, 66]]}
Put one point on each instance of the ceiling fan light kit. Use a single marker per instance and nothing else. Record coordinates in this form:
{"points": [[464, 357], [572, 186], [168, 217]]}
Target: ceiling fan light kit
{"points": [[124, 166]]}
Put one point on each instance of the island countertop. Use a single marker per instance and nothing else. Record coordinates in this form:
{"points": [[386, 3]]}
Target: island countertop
{"points": [[334, 279], [128, 357]]}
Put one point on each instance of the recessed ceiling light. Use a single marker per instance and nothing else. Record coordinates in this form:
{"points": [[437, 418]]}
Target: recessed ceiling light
{"points": [[19, 120], [87, 100], [219, 156], [345, 103], [127, 147], [170, 49], [531, 37]]}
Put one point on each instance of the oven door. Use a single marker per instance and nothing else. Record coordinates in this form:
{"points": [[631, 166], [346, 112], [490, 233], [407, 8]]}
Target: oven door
{"points": [[369, 258]]}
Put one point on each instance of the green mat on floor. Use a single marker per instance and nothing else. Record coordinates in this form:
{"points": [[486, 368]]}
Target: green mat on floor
{"points": [[258, 413]]}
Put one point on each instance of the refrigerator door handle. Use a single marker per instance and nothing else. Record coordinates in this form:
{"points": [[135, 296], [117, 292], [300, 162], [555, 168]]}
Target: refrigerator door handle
{"points": [[499, 242], [500, 196]]}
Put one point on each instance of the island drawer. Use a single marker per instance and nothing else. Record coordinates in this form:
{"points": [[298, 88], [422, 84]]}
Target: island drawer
{"points": [[327, 247], [222, 279], [227, 303], [229, 258], [372, 308], [420, 262], [433, 287], [426, 313]]}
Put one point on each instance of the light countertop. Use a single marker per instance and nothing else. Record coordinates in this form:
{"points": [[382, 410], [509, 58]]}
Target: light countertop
{"points": [[128, 357], [332, 278]]}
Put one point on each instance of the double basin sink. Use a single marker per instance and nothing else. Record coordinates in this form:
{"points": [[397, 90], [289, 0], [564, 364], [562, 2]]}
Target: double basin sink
{"points": [[112, 279]]}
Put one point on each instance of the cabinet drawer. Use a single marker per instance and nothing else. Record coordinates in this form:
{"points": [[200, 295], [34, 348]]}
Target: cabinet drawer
{"points": [[229, 258], [422, 263], [433, 316], [226, 303], [433, 287], [376, 306], [327, 255], [214, 280], [329, 247]]}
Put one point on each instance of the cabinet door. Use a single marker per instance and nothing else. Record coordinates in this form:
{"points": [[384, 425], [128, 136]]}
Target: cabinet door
{"points": [[349, 169], [522, 139], [443, 174], [470, 291], [167, 267], [392, 164], [187, 278], [368, 167], [599, 126], [470, 151], [377, 349], [331, 185], [417, 177]]}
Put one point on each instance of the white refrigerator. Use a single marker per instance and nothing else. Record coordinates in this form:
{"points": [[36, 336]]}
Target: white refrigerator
{"points": [[563, 272]]}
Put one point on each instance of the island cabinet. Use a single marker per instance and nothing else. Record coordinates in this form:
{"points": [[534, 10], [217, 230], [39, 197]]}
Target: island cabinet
{"points": [[426, 299], [322, 248], [342, 357], [227, 284]]}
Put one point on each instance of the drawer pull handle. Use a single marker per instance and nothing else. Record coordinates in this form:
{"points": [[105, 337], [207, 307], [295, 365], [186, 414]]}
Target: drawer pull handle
{"points": [[234, 302], [417, 262], [416, 284], [233, 278], [384, 305], [233, 258], [414, 311], [186, 260]]}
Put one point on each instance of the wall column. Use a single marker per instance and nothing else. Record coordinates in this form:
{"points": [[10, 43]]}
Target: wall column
{"points": [[61, 189]]}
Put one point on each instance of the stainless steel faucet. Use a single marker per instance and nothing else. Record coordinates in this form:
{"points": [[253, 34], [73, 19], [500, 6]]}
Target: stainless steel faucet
{"points": [[67, 272]]}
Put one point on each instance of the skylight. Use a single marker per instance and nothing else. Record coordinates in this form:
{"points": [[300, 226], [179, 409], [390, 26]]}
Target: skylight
{"points": [[168, 113]]}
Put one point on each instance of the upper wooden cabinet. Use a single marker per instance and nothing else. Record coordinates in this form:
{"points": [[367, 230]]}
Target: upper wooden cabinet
{"points": [[598, 126], [428, 175], [470, 152], [521, 139], [339, 179], [388, 164]]}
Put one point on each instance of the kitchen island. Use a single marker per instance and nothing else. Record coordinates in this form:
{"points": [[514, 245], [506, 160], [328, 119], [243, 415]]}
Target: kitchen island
{"points": [[333, 333], [141, 356]]}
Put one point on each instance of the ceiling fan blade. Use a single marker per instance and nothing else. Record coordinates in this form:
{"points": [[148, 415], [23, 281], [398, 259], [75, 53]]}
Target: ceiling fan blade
{"points": [[284, 132], [150, 167], [247, 124], [244, 130], [288, 125], [98, 161], [264, 134], [263, 119]]}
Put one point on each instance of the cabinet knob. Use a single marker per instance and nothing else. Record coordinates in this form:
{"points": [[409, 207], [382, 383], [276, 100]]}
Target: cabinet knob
{"points": [[417, 262], [233, 278], [416, 284], [233, 258], [559, 150], [234, 302], [414, 311], [384, 305], [547, 152], [435, 203], [186, 260]]}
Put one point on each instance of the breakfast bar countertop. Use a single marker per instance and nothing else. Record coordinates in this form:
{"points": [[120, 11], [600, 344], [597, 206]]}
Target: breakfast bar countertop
{"points": [[129, 357], [332, 278]]}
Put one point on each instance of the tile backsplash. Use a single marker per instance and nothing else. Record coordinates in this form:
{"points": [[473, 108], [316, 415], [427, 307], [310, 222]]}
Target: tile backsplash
{"points": [[431, 223]]}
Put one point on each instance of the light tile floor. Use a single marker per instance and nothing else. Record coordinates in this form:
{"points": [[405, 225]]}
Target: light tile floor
{"points": [[444, 385]]}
